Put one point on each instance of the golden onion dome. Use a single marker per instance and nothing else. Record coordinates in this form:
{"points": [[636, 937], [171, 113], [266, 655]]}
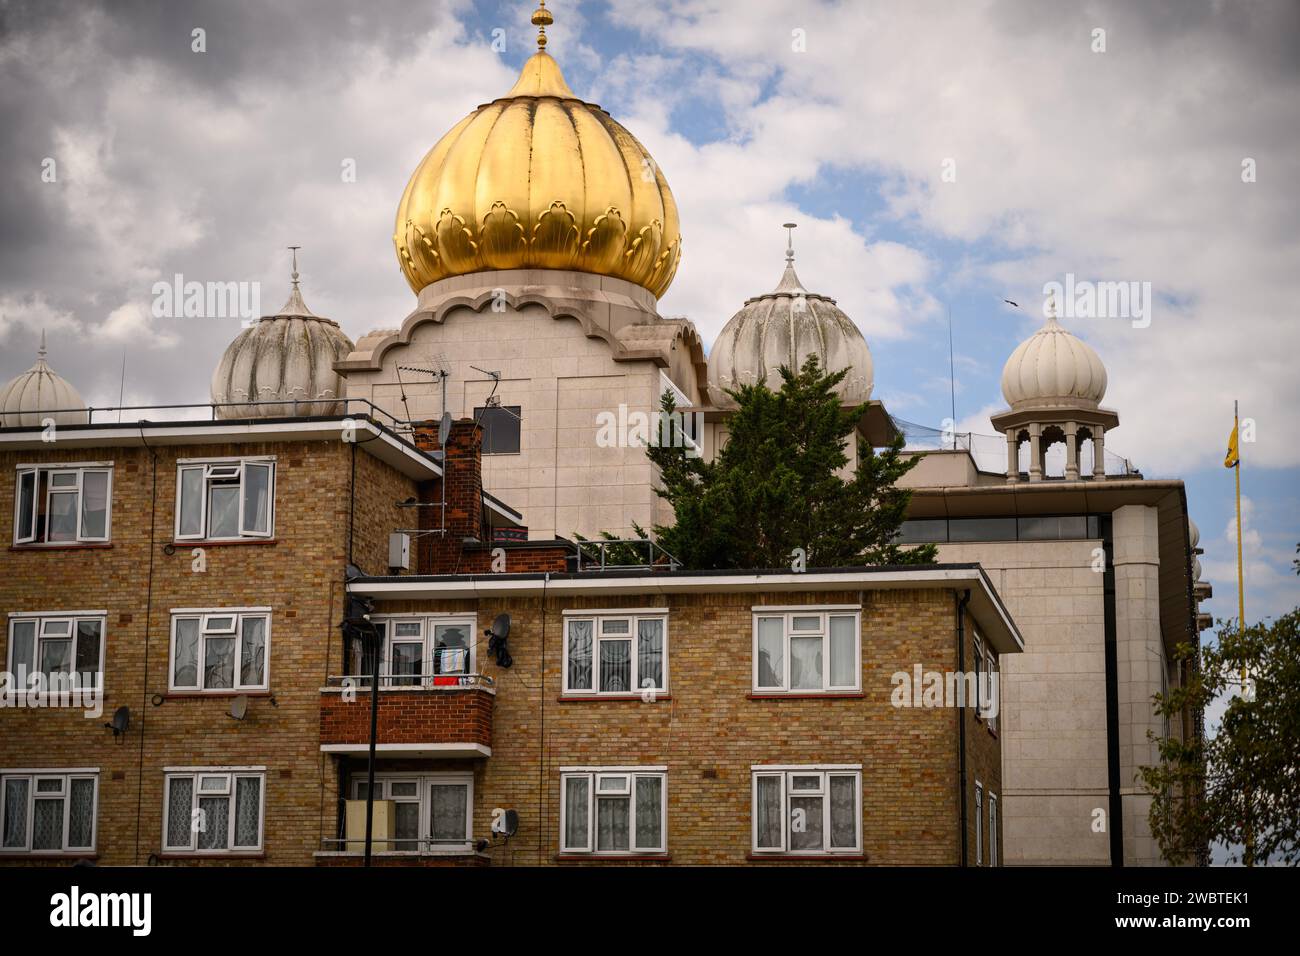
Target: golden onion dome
{"points": [[538, 179]]}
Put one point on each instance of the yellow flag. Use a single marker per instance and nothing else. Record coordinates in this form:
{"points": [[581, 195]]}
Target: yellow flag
{"points": [[1232, 457]]}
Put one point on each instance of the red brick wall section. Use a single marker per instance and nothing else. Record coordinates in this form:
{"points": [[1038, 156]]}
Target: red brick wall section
{"points": [[441, 553], [415, 716]]}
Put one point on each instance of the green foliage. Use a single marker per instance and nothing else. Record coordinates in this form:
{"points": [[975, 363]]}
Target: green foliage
{"points": [[1244, 782], [775, 485]]}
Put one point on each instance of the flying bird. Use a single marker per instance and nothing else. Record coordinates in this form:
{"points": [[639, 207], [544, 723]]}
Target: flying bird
{"points": [[1009, 302]]}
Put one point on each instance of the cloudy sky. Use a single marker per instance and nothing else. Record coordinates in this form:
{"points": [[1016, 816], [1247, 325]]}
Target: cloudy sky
{"points": [[938, 157]]}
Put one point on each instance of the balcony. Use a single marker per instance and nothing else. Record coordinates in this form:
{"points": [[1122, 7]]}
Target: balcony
{"points": [[439, 717]]}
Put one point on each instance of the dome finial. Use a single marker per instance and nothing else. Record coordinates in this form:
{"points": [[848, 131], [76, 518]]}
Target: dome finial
{"points": [[789, 228], [1051, 307], [293, 276], [542, 19], [40, 352]]}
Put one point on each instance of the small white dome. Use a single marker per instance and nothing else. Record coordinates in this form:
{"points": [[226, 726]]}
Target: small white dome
{"points": [[284, 357], [1196, 570], [1193, 532], [1053, 367], [784, 327], [40, 393]]}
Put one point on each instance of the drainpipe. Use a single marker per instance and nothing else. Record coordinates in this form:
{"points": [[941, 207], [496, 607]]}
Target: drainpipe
{"points": [[962, 601]]}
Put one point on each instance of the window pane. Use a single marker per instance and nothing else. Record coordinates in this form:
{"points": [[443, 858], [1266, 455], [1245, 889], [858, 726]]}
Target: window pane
{"points": [[47, 825], [981, 529], [811, 781], [191, 506], [15, 821], [185, 668], [813, 623], [612, 830], [406, 824], [214, 823], [616, 625], [252, 662], [923, 531], [248, 811], [447, 807], [63, 517], [580, 634], [768, 812], [843, 653], [26, 499], [257, 498], [219, 663], [616, 666], [56, 656], [406, 661], [81, 813], [649, 816], [575, 812], [223, 511], [403, 788], [844, 815], [500, 428], [24, 638], [771, 652], [180, 811], [88, 652], [806, 823], [650, 653], [94, 504], [805, 663], [450, 649]]}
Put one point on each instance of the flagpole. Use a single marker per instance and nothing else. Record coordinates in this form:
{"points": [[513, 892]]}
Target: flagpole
{"points": [[1241, 608]]}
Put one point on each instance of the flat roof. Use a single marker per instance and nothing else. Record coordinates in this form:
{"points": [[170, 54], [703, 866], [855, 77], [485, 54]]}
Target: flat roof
{"points": [[986, 604]]}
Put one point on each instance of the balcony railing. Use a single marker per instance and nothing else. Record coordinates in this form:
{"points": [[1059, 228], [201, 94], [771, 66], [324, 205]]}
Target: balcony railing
{"points": [[391, 681], [418, 715]]}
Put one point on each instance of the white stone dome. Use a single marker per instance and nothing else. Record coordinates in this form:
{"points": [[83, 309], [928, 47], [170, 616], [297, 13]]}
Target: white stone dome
{"points": [[40, 393], [1053, 367], [784, 327], [284, 357], [1193, 533]]}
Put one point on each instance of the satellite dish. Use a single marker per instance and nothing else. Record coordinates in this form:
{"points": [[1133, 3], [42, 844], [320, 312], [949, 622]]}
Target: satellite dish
{"points": [[239, 707], [444, 429], [121, 721], [512, 822], [505, 822], [497, 635]]}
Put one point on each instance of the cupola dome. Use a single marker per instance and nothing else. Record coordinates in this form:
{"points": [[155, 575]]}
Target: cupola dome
{"points": [[38, 394]]}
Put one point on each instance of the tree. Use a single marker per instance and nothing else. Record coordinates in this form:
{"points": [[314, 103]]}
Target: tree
{"points": [[775, 486], [1241, 786]]}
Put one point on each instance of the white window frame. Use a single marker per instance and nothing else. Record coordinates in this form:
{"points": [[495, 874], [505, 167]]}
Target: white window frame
{"points": [[210, 469], [204, 616], [594, 777], [991, 669], [979, 823], [79, 470], [993, 829], [65, 794], [787, 615], [599, 618], [429, 623], [232, 775], [423, 781], [40, 619], [785, 775]]}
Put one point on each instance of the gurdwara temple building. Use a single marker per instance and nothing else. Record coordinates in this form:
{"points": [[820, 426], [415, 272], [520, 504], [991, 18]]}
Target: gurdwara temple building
{"points": [[201, 611]]}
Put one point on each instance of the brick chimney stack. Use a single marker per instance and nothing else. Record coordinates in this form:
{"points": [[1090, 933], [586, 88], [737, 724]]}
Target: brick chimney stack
{"points": [[463, 473]]}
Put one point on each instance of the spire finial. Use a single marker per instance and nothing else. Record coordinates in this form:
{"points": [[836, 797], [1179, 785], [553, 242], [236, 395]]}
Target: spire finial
{"points": [[789, 228], [542, 19], [40, 352], [1051, 307], [293, 276]]}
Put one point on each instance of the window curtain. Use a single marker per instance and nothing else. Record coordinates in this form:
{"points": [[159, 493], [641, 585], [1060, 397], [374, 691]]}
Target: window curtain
{"points": [[63, 516], [771, 656], [768, 812], [580, 637], [649, 818], [94, 504], [15, 820], [805, 663], [843, 655], [650, 653], [81, 812], [185, 667], [447, 812], [248, 811], [191, 501], [214, 821], [88, 652], [257, 486], [252, 664], [844, 823], [219, 662], [24, 649], [47, 824], [806, 823], [576, 790], [612, 823], [180, 811], [616, 666]]}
